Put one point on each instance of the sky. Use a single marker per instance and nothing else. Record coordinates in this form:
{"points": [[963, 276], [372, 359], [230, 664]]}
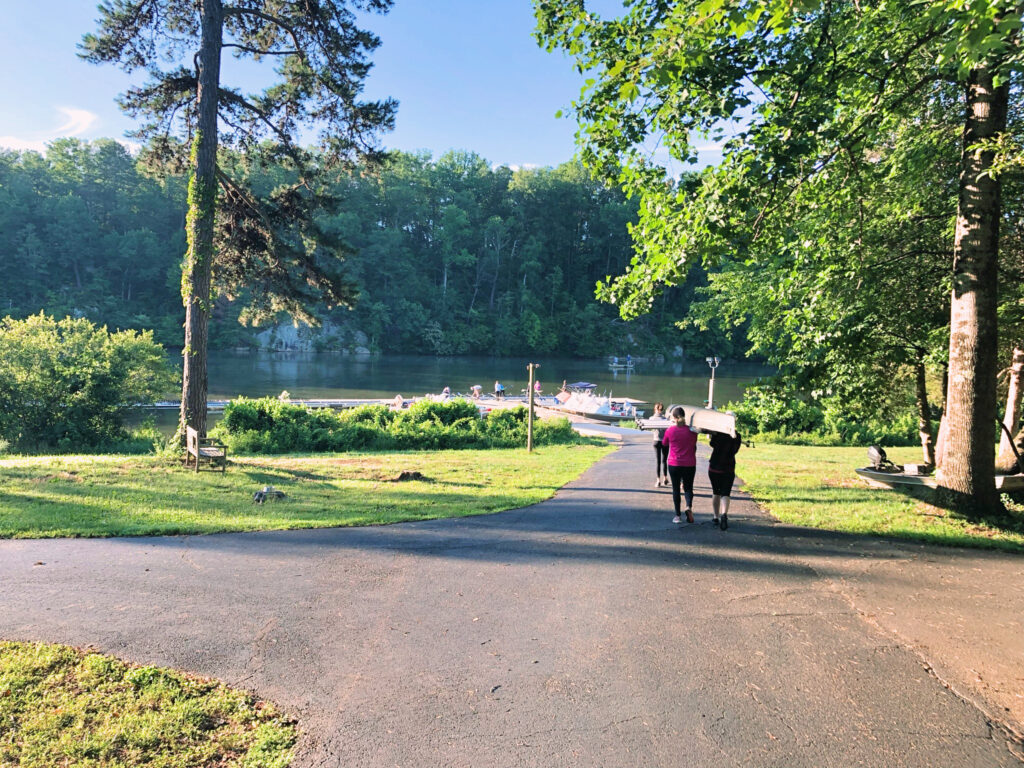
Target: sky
{"points": [[467, 73]]}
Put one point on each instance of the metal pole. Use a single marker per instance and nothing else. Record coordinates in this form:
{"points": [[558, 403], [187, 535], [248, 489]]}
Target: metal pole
{"points": [[712, 364], [530, 367]]}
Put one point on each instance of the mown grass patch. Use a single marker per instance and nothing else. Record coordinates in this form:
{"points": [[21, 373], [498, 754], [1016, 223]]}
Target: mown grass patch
{"points": [[817, 487], [53, 496], [60, 707]]}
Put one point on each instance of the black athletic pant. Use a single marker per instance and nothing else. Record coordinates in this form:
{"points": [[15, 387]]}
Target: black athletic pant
{"points": [[660, 460], [684, 475]]}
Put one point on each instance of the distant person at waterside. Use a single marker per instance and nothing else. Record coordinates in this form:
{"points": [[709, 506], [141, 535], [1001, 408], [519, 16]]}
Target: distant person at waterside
{"points": [[398, 403], [660, 451], [446, 392], [476, 390], [722, 473], [499, 390], [536, 388], [681, 442]]}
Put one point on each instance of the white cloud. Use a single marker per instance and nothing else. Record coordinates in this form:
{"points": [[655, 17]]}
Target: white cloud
{"points": [[21, 145], [714, 146], [76, 122]]}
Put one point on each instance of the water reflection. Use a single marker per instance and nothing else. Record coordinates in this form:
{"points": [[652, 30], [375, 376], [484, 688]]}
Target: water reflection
{"points": [[329, 375]]}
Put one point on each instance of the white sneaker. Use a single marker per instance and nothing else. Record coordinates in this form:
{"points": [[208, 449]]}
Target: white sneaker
{"points": [[677, 519], [657, 483]]}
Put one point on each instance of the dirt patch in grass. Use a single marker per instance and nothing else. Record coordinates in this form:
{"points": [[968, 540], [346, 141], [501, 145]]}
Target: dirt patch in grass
{"points": [[69, 477]]}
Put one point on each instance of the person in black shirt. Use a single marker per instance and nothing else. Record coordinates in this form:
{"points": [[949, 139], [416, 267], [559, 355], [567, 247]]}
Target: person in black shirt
{"points": [[722, 473]]}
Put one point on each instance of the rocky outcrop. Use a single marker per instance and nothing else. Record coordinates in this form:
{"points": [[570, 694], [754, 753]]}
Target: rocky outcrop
{"points": [[285, 337]]}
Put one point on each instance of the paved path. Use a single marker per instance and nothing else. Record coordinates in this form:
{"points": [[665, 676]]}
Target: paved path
{"points": [[585, 631]]}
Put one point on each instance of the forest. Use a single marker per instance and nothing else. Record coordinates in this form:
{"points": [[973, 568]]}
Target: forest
{"points": [[448, 256]]}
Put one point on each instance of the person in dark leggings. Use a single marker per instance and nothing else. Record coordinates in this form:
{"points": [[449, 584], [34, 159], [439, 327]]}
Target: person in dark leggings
{"points": [[681, 442], [660, 451], [722, 473]]}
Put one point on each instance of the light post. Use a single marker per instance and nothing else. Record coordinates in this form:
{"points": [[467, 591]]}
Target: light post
{"points": [[712, 363]]}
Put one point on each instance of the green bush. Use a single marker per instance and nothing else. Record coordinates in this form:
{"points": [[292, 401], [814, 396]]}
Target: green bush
{"points": [[65, 384], [273, 426], [772, 413]]}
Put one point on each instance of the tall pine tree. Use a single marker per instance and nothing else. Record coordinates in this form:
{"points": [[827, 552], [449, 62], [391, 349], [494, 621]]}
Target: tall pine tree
{"points": [[264, 246]]}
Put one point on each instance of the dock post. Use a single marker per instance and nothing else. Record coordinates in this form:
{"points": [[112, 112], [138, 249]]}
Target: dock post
{"points": [[530, 367]]}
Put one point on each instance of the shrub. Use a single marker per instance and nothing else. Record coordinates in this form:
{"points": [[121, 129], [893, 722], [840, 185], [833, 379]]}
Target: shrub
{"points": [[773, 413], [66, 384], [272, 426]]}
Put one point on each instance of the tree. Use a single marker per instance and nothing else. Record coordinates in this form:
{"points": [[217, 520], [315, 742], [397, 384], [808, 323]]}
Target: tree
{"points": [[234, 237], [798, 85]]}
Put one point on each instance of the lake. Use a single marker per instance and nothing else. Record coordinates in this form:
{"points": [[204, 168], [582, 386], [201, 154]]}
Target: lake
{"points": [[313, 375], [329, 375]]}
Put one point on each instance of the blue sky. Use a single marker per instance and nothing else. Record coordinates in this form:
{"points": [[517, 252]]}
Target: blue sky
{"points": [[467, 73]]}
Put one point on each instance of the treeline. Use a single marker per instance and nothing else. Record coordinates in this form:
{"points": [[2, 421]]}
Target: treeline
{"points": [[450, 256]]}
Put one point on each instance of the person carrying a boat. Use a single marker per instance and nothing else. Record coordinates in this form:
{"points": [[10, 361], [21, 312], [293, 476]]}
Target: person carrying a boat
{"points": [[660, 451], [722, 473], [681, 442]]}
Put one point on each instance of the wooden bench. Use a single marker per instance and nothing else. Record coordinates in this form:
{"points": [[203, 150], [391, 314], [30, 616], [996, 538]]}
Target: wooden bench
{"points": [[204, 449]]}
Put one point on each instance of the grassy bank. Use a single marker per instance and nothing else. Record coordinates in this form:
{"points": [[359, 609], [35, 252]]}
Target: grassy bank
{"points": [[142, 495], [816, 487], [60, 706]]}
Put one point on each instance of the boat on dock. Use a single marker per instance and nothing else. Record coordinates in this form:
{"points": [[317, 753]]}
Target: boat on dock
{"points": [[579, 399]]}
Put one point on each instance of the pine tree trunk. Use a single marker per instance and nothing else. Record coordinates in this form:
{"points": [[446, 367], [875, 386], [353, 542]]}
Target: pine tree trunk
{"points": [[968, 470], [202, 196], [924, 419], [1006, 461]]}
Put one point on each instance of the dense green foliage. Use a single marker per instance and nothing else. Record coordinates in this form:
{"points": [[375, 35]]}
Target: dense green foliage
{"points": [[448, 255], [273, 426], [778, 412], [854, 136], [63, 706], [84, 233], [65, 384]]}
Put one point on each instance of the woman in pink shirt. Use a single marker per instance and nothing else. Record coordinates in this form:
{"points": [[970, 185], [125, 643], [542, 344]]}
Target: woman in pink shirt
{"points": [[681, 442]]}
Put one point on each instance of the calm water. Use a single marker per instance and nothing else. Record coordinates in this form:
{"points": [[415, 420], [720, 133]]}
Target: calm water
{"points": [[326, 375], [330, 376]]}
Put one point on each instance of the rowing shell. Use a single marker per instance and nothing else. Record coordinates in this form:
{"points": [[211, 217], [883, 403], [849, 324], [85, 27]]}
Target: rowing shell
{"points": [[696, 418]]}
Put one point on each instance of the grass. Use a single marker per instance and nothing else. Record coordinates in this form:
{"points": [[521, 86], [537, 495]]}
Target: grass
{"points": [[817, 488], [53, 496], [61, 707]]}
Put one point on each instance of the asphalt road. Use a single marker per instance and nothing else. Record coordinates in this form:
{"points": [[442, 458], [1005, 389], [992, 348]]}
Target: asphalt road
{"points": [[585, 631]]}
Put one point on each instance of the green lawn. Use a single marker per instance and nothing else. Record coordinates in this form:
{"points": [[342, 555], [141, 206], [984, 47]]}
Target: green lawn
{"points": [[817, 487], [53, 496], [64, 707]]}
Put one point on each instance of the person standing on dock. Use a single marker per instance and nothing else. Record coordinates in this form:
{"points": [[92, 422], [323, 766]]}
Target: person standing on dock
{"points": [[681, 442], [499, 390]]}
